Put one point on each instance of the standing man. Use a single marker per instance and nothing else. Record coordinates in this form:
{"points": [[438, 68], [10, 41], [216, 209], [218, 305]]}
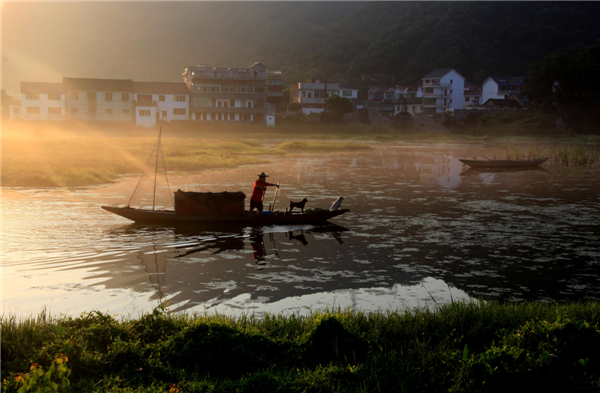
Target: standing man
{"points": [[258, 192]]}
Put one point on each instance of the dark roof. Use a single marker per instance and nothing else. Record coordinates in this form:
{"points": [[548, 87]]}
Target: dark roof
{"points": [[380, 91], [440, 73], [413, 88], [160, 88], [470, 86], [207, 72], [41, 87], [348, 86], [502, 102], [473, 92], [98, 84], [508, 80]]}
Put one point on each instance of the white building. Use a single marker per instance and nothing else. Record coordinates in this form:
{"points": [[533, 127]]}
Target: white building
{"points": [[443, 90], [99, 99], [40, 101], [501, 87], [160, 101]]}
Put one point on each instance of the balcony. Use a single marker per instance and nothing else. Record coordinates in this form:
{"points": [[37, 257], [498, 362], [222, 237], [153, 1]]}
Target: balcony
{"points": [[228, 109], [437, 84]]}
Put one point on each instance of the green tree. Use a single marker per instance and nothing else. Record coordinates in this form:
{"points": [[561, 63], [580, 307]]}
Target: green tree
{"points": [[566, 83], [339, 105]]}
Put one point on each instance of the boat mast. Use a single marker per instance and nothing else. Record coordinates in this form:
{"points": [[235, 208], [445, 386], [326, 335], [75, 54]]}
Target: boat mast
{"points": [[156, 168]]}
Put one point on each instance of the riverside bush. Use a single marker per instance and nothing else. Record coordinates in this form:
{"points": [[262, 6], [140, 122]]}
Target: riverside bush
{"points": [[459, 347]]}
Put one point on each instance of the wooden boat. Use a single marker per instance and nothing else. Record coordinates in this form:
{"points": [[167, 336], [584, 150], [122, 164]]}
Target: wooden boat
{"points": [[147, 216], [502, 163], [211, 208]]}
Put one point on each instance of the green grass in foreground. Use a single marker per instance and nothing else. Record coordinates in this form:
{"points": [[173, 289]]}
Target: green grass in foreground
{"points": [[460, 347]]}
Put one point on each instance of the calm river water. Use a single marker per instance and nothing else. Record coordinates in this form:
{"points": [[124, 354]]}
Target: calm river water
{"points": [[421, 227]]}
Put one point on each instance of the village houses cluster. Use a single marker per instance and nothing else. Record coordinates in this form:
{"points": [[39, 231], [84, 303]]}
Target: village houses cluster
{"points": [[250, 95]]}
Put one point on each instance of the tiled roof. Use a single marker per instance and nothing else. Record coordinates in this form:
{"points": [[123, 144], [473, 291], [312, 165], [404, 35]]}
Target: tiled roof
{"points": [[160, 88], [469, 85], [440, 73], [98, 84], [502, 101], [41, 87], [473, 92]]}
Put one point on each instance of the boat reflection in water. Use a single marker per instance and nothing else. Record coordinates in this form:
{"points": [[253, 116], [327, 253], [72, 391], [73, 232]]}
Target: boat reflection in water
{"points": [[186, 273], [476, 171]]}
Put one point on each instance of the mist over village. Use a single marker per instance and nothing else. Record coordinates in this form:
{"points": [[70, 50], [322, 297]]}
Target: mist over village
{"points": [[363, 196]]}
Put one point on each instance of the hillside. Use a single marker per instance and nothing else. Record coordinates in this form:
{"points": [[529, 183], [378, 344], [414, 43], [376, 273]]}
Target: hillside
{"points": [[44, 41]]}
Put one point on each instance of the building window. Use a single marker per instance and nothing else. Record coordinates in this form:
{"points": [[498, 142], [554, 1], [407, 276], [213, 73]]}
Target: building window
{"points": [[178, 111], [54, 97], [164, 113], [125, 97], [277, 94], [161, 97], [270, 82], [347, 93], [54, 111], [109, 112], [16, 111], [179, 98], [277, 82], [32, 96], [107, 96], [145, 112], [248, 104], [74, 111], [92, 111], [91, 96], [429, 90], [467, 99], [125, 111], [74, 95], [33, 109]]}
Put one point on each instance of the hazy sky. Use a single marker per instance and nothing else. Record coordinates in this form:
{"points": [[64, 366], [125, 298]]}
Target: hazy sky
{"points": [[44, 41]]}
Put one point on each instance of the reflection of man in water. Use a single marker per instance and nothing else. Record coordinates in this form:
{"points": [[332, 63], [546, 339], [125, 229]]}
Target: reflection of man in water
{"points": [[258, 192], [258, 248]]}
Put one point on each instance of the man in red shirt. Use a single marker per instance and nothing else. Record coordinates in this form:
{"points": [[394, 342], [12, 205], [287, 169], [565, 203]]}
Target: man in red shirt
{"points": [[258, 192]]}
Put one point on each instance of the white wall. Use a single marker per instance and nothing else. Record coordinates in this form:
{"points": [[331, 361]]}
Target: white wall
{"points": [[489, 89], [145, 121], [43, 104], [270, 120]]}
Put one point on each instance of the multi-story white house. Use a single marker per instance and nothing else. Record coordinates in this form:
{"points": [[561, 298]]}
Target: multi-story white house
{"points": [[40, 101], [443, 90], [501, 87], [99, 99], [160, 101]]}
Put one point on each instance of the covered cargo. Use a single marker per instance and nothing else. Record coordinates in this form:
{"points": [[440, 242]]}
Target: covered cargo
{"points": [[189, 203]]}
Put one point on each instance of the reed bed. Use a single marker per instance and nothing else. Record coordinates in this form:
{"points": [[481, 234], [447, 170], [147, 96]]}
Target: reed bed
{"points": [[321, 146], [462, 346], [570, 154]]}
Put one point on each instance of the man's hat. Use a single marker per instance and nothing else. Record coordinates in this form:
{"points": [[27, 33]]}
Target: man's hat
{"points": [[263, 175]]}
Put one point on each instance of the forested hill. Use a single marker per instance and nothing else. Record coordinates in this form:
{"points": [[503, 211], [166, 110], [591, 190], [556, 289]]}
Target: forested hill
{"points": [[45, 41], [409, 39]]}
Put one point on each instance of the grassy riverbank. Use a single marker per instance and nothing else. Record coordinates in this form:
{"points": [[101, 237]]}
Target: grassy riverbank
{"points": [[461, 347], [42, 155]]}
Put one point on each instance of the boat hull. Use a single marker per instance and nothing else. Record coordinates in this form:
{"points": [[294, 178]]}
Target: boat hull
{"points": [[502, 163], [248, 219]]}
